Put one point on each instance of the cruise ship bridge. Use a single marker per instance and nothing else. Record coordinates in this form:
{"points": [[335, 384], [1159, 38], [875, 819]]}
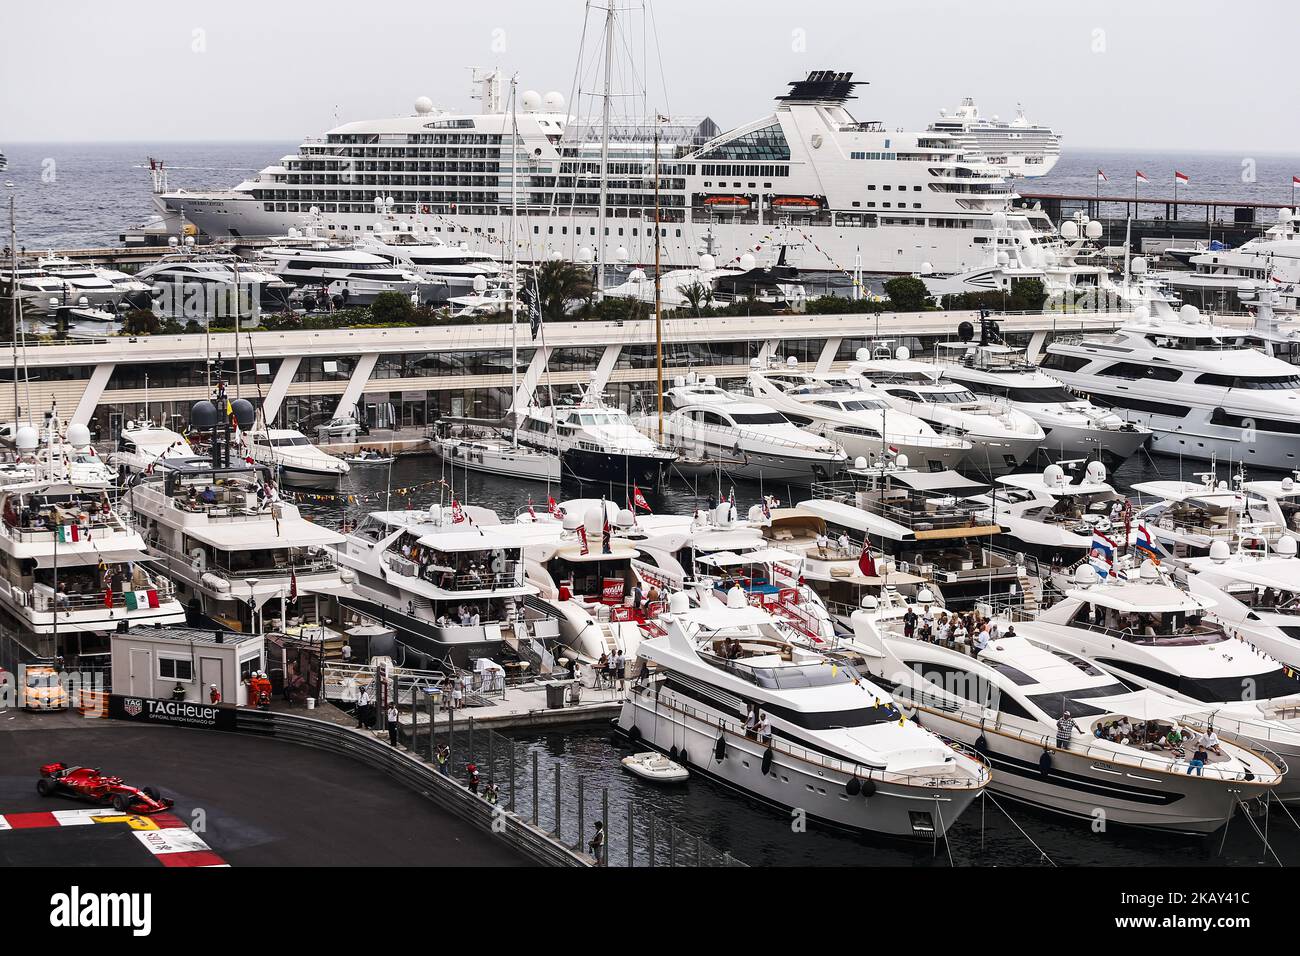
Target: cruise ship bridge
{"points": [[409, 377]]}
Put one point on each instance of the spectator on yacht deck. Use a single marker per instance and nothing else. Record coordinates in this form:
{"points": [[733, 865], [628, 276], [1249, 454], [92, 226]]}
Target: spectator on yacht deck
{"points": [[1064, 730], [1208, 740], [846, 546], [981, 641], [822, 543], [764, 728], [209, 496]]}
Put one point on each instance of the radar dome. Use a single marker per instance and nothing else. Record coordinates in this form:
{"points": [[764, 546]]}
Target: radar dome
{"points": [[624, 519], [1085, 575], [1284, 215], [860, 462], [244, 413], [736, 597], [792, 361], [1004, 259], [1069, 229], [423, 105], [708, 263], [571, 522], [531, 101], [1286, 546], [553, 101], [204, 415], [722, 515], [1139, 266], [927, 268], [1149, 571], [480, 284], [78, 435], [1142, 313], [1053, 476], [636, 275], [999, 220], [870, 602], [27, 438], [679, 603], [621, 254], [585, 254], [747, 262], [1096, 472], [1189, 313], [1288, 485], [314, 211], [1220, 552], [925, 596], [903, 353], [863, 355], [1093, 229], [901, 461]]}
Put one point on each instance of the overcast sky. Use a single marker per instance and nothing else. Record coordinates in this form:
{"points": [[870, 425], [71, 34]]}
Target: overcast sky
{"points": [[1142, 74]]}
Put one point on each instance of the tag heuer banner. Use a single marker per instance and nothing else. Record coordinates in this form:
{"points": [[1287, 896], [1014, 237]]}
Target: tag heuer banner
{"points": [[178, 713]]}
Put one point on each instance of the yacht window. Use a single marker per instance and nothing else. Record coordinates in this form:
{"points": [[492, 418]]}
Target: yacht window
{"points": [[1055, 703], [1253, 381], [759, 418], [1133, 372], [1042, 396]]}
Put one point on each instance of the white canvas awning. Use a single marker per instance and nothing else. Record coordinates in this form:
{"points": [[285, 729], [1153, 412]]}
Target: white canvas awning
{"points": [[70, 558], [1144, 704], [729, 559], [259, 535]]}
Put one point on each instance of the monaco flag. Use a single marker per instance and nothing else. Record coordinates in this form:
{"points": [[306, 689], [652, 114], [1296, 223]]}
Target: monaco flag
{"points": [[1180, 178], [1101, 177], [1141, 176], [1295, 180]]}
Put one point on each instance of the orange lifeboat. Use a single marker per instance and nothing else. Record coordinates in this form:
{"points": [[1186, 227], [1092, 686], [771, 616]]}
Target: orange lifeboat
{"points": [[727, 203], [796, 203]]}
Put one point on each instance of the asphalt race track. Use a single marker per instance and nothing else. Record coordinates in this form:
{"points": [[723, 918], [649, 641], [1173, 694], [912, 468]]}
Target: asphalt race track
{"points": [[260, 802]]}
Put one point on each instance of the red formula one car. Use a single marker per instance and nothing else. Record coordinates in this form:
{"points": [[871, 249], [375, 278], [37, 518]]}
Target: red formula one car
{"points": [[94, 786]]}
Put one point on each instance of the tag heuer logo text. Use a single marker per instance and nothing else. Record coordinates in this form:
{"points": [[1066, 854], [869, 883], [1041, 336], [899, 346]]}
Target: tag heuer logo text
{"points": [[133, 706]]}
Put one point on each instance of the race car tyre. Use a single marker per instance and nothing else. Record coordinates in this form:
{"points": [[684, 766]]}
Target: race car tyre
{"points": [[45, 787], [121, 803], [152, 794]]}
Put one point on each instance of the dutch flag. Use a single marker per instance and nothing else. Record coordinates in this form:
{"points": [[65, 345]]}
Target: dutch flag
{"points": [[1144, 545], [1103, 547]]}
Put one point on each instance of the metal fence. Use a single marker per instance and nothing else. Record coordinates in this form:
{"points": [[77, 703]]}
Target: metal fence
{"points": [[560, 802]]}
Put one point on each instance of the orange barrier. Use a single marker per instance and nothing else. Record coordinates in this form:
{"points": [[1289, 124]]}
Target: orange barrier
{"points": [[92, 703]]}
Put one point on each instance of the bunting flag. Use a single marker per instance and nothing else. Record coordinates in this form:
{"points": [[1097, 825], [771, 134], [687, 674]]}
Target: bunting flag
{"points": [[639, 501], [1180, 178], [1141, 177], [582, 538]]}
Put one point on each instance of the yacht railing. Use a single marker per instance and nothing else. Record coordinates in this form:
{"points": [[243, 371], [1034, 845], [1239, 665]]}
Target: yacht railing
{"points": [[323, 564], [915, 517], [730, 728], [1083, 743], [43, 600]]}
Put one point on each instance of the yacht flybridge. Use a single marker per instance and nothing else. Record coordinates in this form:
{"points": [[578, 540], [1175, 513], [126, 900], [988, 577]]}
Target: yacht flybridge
{"points": [[1196, 385], [594, 441], [1007, 703], [852, 187], [840, 749]]}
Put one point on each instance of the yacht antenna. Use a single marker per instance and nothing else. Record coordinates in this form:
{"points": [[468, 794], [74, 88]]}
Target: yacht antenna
{"points": [[514, 264], [604, 148], [15, 318]]}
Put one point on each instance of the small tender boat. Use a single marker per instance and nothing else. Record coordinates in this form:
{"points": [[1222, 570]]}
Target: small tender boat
{"points": [[656, 767], [368, 458]]}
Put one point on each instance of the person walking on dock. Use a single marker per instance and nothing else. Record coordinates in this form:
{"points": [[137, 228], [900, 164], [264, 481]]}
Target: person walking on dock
{"points": [[392, 724], [596, 845]]}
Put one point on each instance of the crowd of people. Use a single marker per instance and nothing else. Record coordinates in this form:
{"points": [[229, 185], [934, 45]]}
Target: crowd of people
{"points": [[964, 630]]}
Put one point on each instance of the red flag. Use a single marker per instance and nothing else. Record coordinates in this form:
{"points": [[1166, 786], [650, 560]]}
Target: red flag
{"points": [[1295, 180], [457, 512], [293, 585], [531, 513], [582, 537], [108, 598], [1141, 176], [1180, 177], [866, 563], [638, 499], [553, 508]]}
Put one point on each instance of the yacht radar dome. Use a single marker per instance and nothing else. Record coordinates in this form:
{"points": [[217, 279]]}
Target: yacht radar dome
{"points": [[585, 254], [1096, 472], [903, 353], [480, 284], [1069, 230], [747, 262], [736, 597], [1220, 552], [1288, 485], [902, 461], [860, 462], [679, 602], [27, 438], [1189, 313], [1085, 575], [1139, 266], [1149, 571], [925, 597], [531, 101], [999, 220], [1286, 547], [708, 263], [553, 101], [927, 268], [1093, 230], [78, 435], [423, 105], [863, 355], [571, 522], [1054, 476], [792, 361], [870, 602]]}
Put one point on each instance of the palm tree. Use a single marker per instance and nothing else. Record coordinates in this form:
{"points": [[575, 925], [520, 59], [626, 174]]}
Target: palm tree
{"points": [[698, 294], [559, 283]]}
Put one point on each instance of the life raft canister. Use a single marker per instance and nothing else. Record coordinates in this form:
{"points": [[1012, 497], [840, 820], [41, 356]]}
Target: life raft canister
{"points": [[1045, 763], [719, 748], [767, 761]]}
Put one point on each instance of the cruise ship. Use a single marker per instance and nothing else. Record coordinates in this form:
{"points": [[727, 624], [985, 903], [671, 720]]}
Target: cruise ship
{"points": [[1020, 148], [855, 190]]}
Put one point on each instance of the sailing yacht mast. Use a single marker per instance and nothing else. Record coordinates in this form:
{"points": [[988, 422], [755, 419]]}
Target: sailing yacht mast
{"points": [[514, 264], [14, 319], [604, 147], [659, 323]]}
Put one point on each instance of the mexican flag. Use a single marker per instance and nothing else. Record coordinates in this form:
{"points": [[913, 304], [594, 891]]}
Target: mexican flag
{"points": [[69, 532], [139, 600]]}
